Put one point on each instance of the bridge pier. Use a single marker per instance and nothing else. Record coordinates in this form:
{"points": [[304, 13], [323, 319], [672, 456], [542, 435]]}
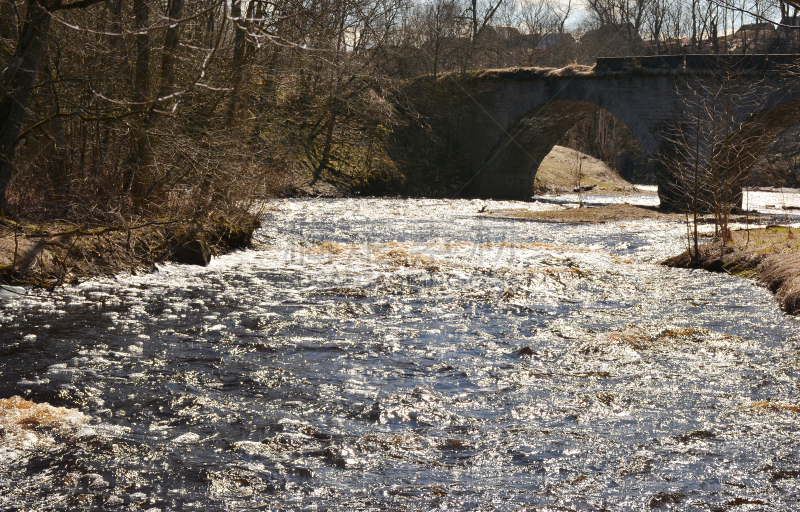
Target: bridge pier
{"points": [[677, 193]]}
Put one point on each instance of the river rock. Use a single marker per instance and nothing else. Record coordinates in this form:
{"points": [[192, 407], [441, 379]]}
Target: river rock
{"points": [[192, 252], [235, 233]]}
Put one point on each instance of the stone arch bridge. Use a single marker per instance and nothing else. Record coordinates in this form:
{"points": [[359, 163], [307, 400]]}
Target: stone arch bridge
{"points": [[506, 121]]}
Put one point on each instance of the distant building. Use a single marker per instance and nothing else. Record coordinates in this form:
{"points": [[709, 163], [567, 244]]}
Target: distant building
{"points": [[612, 41], [494, 33]]}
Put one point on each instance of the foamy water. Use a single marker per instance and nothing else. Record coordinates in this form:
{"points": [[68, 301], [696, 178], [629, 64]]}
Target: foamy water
{"points": [[406, 354]]}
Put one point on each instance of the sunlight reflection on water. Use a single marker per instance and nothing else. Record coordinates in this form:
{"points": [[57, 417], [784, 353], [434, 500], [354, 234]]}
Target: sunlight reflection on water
{"points": [[410, 354]]}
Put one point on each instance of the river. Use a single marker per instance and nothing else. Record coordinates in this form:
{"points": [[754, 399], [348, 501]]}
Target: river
{"points": [[388, 354]]}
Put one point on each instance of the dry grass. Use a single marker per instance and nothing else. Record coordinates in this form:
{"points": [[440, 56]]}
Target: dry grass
{"points": [[633, 339], [443, 257], [503, 72], [330, 248], [25, 424], [29, 255], [529, 72], [556, 174], [13, 247], [590, 215], [780, 273], [402, 258], [771, 406], [572, 70], [641, 339], [770, 240], [535, 245], [27, 414], [52, 253], [679, 332]]}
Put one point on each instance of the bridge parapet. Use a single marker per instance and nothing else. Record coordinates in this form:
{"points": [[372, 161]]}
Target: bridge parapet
{"points": [[698, 62]]}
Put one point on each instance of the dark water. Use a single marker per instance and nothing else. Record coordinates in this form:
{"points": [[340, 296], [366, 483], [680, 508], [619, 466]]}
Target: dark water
{"points": [[405, 355]]}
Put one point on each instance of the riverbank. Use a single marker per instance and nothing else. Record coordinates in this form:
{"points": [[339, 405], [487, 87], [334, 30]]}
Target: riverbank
{"points": [[618, 212], [769, 255], [52, 253]]}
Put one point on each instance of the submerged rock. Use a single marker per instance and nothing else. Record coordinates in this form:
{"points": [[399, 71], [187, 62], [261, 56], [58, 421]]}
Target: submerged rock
{"points": [[525, 352]]}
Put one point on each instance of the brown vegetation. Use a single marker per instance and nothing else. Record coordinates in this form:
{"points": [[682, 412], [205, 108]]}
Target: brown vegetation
{"points": [[16, 411], [26, 424], [772, 406], [656, 338], [52, 253], [588, 215], [110, 106]]}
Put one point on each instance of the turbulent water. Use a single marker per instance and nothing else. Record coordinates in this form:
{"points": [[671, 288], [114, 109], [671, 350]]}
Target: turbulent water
{"points": [[378, 354]]}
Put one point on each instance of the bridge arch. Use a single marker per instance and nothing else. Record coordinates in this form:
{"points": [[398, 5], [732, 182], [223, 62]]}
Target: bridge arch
{"points": [[534, 127], [729, 161], [754, 135], [506, 121]]}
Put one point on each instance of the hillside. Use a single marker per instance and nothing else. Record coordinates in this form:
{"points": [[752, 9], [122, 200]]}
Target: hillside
{"points": [[558, 170]]}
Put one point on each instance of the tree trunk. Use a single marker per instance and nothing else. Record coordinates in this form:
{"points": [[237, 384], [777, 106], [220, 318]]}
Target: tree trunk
{"points": [[714, 36], [436, 50], [473, 40], [166, 88], [238, 59], [57, 147], [326, 151], [16, 85], [141, 79], [143, 168], [140, 149], [169, 57], [116, 23]]}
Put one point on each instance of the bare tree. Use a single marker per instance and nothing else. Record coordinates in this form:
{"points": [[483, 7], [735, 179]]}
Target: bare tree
{"points": [[705, 152], [480, 16], [18, 79]]}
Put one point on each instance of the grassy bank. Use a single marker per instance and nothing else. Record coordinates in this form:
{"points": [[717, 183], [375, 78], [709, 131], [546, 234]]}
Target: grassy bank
{"points": [[558, 171], [47, 254], [769, 255]]}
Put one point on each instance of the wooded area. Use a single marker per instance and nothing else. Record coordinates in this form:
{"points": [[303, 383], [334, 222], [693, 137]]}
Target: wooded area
{"points": [[115, 109]]}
